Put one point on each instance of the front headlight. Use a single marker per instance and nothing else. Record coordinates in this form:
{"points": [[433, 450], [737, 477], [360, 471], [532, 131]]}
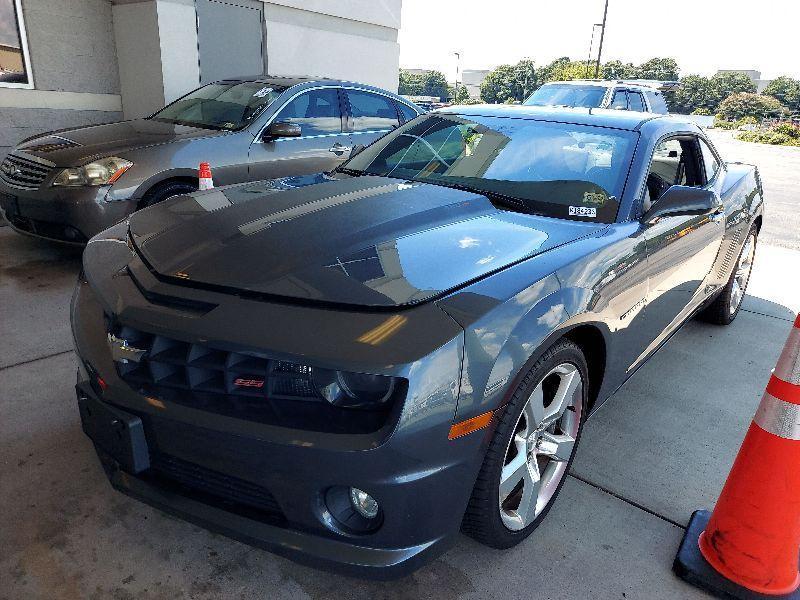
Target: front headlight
{"points": [[353, 390], [102, 172]]}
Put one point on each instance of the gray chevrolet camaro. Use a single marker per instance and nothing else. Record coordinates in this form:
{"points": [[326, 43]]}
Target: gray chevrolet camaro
{"points": [[69, 185], [348, 368]]}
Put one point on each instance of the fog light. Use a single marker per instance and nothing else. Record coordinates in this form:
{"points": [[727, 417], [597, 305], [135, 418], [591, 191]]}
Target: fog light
{"points": [[364, 504]]}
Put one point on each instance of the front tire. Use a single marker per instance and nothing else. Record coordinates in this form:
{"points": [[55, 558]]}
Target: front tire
{"points": [[531, 450], [725, 307], [164, 191]]}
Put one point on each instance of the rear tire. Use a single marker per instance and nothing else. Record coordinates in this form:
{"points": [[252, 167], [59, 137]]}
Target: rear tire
{"points": [[521, 477], [725, 307], [165, 190]]}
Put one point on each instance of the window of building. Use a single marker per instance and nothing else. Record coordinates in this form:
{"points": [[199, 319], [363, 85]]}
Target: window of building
{"points": [[15, 65]]}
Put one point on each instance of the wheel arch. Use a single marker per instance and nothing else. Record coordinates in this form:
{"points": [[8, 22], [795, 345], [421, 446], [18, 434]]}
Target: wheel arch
{"points": [[148, 188], [562, 314]]}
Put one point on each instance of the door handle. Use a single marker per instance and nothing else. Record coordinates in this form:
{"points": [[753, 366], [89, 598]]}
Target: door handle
{"points": [[337, 148]]}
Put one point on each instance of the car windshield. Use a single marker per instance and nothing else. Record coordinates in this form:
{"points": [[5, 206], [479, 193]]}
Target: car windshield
{"points": [[555, 169], [221, 105], [587, 96]]}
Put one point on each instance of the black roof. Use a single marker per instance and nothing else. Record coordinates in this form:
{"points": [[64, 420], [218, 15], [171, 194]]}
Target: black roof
{"points": [[292, 80], [603, 117]]}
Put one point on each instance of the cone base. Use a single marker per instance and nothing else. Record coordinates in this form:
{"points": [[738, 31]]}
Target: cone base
{"points": [[692, 567]]}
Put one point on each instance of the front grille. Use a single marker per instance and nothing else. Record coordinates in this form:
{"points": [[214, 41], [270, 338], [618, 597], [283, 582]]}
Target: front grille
{"points": [[23, 173], [243, 385], [214, 488], [171, 364]]}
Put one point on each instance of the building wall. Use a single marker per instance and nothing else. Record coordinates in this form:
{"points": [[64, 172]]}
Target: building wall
{"points": [[72, 49], [358, 42]]}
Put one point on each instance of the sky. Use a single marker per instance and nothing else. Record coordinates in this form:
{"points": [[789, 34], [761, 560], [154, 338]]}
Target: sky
{"points": [[702, 35]]}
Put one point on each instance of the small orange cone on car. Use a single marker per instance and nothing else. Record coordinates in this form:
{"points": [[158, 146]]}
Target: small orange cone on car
{"points": [[205, 181], [749, 546]]}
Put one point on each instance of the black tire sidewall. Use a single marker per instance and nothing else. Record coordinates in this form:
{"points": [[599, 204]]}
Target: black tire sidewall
{"points": [[164, 191], [562, 352]]}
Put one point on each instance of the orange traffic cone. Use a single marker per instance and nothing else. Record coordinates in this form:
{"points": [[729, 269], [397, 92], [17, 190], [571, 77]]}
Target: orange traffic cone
{"points": [[205, 181], [750, 545]]}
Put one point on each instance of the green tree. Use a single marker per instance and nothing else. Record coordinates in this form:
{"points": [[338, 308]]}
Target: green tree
{"points": [[510, 83], [410, 84], [435, 84], [616, 69], [741, 105], [694, 93], [723, 85], [431, 83], [786, 90], [498, 86], [548, 73], [526, 78], [661, 69], [459, 94]]}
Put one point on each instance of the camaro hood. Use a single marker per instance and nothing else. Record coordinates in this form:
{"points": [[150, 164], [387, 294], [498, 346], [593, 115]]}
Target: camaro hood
{"points": [[366, 241], [74, 147]]}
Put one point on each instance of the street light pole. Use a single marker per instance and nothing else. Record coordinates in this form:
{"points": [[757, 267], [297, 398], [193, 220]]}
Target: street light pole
{"points": [[458, 65], [591, 45], [602, 35]]}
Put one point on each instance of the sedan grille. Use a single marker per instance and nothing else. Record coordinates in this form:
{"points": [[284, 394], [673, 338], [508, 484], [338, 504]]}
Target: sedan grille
{"points": [[23, 173]]}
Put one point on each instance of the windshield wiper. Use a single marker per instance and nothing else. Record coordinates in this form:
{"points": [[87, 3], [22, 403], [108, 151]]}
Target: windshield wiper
{"points": [[512, 202], [353, 172]]}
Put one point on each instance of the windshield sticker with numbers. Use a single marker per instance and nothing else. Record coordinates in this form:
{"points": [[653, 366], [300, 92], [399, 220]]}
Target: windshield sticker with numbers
{"points": [[582, 211]]}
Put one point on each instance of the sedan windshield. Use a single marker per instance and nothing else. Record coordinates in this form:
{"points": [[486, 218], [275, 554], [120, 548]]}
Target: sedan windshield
{"points": [[586, 96], [555, 169], [221, 105]]}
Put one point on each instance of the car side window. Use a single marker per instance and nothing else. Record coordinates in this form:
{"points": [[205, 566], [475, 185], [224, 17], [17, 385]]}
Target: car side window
{"points": [[635, 101], [710, 162], [371, 112], [317, 112], [675, 162], [620, 100], [407, 112]]}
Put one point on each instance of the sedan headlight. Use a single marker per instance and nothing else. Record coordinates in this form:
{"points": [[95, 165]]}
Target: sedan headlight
{"points": [[102, 172], [353, 390]]}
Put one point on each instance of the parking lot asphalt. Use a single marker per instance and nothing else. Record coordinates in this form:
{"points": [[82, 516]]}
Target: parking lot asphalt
{"points": [[657, 450]]}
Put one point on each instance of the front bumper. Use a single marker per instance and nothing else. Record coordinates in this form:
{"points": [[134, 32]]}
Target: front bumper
{"points": [[71, 215], [350, 556], [421, 479]]}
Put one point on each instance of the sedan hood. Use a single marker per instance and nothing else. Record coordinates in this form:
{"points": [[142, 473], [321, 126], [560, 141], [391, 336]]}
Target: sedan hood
{"points": [[366, 241], [75, 147]]}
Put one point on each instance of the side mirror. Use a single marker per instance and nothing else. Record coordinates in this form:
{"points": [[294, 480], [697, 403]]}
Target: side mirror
{"points": [[681, 200], [356, 149], [282, 129]]}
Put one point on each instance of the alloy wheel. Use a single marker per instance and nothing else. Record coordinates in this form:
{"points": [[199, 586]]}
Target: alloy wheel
{"points": [[543, 442], [742, 274]]}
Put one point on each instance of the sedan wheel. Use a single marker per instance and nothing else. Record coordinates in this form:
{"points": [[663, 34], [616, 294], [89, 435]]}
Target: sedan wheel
{"points": [[543, 443]]}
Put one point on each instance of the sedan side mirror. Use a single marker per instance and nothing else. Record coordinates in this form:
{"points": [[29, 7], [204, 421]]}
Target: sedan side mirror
{"points": [[281, 129], [356, 149], [682, 200]]}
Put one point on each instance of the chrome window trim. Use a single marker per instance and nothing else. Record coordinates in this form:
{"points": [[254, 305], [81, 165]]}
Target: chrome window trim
{"points": [[325, 87], [26, 55]]}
